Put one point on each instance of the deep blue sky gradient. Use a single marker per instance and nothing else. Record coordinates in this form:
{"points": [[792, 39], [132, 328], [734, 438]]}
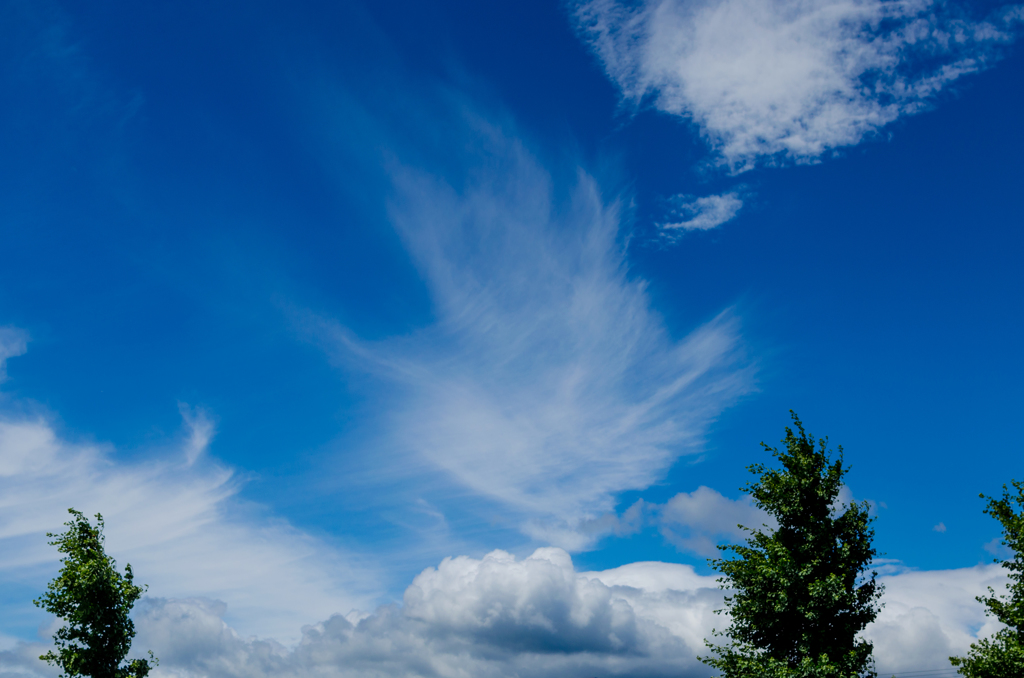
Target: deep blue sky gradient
{"points": [[170, 197]]}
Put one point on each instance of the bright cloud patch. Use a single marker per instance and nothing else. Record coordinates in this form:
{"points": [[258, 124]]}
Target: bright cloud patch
{"points": [[548, 384], [693, 520], [929, 616], [498, 616], [702, 214], [489, 617], [176, 521], [788, 79]]}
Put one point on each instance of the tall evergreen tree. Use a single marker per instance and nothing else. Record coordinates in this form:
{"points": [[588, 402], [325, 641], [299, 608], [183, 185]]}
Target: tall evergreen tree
{"points": [[1002, 656], [94, 601], [800, 592]]}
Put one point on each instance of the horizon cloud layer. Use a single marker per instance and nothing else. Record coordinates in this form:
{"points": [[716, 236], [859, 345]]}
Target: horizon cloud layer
{"points": [[498, 617]]}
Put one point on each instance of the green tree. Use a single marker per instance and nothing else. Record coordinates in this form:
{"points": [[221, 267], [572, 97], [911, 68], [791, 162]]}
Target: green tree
{"points": [[94, 601], [1002, 655], [801, 593]]}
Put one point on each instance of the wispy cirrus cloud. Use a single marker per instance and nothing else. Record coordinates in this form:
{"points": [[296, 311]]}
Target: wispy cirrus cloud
{"points": [[701, 214], [201, 430], [13, 342], [998, 548], [789, 80], [547, 384], [177, 518]]}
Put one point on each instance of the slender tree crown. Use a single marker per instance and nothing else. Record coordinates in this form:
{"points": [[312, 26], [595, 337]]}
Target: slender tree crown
{"points": [[800, 592], [94, 600], [1002, 655]]}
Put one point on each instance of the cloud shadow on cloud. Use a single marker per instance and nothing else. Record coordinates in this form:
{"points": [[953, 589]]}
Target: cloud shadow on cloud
{"points": [[493, 616], [499, 616]]}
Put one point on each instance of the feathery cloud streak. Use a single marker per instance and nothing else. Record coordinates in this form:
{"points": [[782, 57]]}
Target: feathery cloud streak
{"points": [[177, 520], [547, 383], [13, 342], [788, 80], [702, 214]]}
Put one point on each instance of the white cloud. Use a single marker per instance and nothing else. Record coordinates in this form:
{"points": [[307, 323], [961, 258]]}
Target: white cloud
{"points": [[541, 604], [700, 520], [941, 527], [931, 615], [547, 384], [697, 521], [488, 617], [181, 526], [501, 617], [201, 430], [788, 80], [706, 517], [702, 214], [13, 342]]}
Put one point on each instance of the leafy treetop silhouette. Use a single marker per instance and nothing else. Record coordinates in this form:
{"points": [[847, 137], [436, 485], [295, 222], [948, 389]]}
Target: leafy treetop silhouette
{"points": [[94, 601], [800, 593], [1003, 654]]}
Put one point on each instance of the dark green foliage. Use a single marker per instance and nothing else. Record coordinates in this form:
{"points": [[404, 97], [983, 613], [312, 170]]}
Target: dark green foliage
{"points": [[1002, 655], [94, 600], [801, 591]]}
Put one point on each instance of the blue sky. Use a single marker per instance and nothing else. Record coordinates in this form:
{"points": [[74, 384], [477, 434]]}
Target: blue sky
{"points": [[345, 290]]}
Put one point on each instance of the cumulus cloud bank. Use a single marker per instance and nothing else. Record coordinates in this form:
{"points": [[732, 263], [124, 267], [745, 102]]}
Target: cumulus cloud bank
{"points": [[498, 616], [931, 615], [547, 384], [179, 523], [488, 617], [788, 80]]}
